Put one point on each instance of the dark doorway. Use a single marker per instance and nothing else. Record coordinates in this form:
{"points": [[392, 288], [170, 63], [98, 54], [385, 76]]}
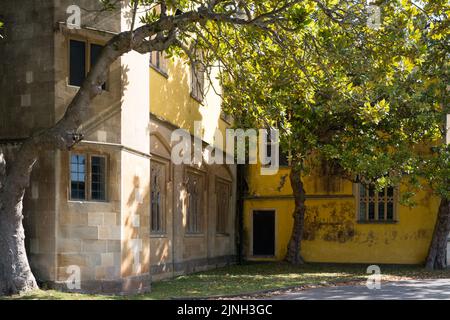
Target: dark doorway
{"points": [[264, 233]]}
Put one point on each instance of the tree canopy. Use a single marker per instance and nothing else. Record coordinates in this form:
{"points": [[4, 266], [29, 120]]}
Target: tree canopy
{"points": [[370, 101]]}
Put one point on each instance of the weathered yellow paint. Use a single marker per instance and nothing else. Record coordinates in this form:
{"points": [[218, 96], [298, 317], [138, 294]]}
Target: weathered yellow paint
{"points": [[332, 233], [170, 99], [279, 184]]}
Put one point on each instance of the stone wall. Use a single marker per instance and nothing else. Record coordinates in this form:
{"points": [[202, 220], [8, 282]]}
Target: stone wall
{"points": [[175, 252], [27, 68]]}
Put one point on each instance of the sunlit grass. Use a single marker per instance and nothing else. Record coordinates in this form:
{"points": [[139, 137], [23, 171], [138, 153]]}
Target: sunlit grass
{"points": [[251, 278]]}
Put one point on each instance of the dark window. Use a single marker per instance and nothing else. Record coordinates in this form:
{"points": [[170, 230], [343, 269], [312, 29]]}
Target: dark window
{"points": [[264, 233], [376, 206], [98, 178], [95, 54], [77, 71], [78, 177], [194, 204], [87, 177], [157, 196], [82, 52]]}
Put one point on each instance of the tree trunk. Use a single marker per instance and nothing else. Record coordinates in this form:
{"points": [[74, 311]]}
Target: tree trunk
{"points": [[15, 272], [437, 254], [293, 254]]}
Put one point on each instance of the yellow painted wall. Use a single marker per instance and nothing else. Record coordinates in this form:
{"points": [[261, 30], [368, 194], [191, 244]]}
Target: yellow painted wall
{"points": [[170, 99], [332, 233]]}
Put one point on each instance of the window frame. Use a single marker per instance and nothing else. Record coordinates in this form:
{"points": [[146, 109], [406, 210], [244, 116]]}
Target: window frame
{"points": [[91, 155], [88, 177], [201, 208], [227, 118], [228, 185], [85, 175], [376, 219], [87, 68], [161, 56], [163, 218], [195, 92]]}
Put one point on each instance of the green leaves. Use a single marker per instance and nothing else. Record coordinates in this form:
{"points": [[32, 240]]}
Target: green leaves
{"points": [[367, 99], [300, 15], [374, 113], [109, 4]]}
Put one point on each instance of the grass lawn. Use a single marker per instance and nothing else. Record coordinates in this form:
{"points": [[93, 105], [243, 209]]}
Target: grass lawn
{"points": [[254, 277]]}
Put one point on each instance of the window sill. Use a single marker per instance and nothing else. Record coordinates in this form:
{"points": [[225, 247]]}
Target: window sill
{"points": [[228, 122], [194, 235], [196, 99], [71, 86], [221, 234], [88, 202], [158, 235], [377, 222], [162, 73]]}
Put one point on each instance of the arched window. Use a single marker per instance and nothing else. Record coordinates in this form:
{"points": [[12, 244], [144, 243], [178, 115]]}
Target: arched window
{"points": [[194, 208], [157, 198]]}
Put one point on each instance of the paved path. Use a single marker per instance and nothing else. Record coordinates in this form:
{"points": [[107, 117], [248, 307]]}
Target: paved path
{"points": [[404, 290]]}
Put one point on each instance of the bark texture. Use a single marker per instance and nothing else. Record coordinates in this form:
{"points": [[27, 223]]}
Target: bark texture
{"points": [[437, 254], [293, 254], [15, 272]]}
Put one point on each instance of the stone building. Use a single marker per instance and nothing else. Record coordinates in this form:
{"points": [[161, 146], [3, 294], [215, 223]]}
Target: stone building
{"points": [[119, 211], [115, 208]]}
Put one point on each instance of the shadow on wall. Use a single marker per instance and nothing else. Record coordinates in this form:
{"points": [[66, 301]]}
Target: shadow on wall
{"points": [[98, 119], [135, 250], [171, 100]]}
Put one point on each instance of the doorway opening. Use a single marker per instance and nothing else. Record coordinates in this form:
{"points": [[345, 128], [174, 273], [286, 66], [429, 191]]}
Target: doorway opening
{"points": [[264, 233]]}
